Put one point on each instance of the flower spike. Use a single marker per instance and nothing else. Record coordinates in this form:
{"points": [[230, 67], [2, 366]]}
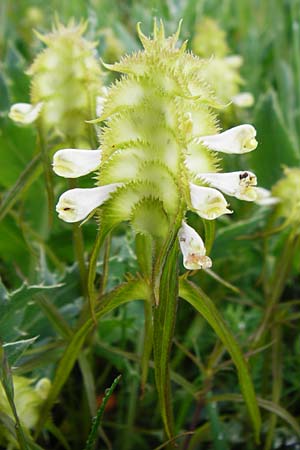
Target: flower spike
{"points": [[237, 184], [240, 139], [73, 163], [208, 202], [193, 249], [25, 113], [76, 204]]}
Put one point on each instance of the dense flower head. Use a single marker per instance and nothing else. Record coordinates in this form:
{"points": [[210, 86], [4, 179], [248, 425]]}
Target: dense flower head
{"points": [[65, 83], [222, 72], [28, 400], [160, 149], [287, 193]]}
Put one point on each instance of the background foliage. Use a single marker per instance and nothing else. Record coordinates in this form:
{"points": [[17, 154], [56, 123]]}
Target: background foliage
{"points": [[254, 283]]}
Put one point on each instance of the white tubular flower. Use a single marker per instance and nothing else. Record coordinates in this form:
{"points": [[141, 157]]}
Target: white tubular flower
{"points": [[237, 184], [264, 197], [234, 61], [193, 249], [240, 139], [25, 113], [76, 204], [208, 202], [243, 100], [73, 163]]}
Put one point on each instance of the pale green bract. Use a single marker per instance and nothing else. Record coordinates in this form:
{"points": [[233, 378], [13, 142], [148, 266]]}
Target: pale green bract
{"points": [[159, 135]]}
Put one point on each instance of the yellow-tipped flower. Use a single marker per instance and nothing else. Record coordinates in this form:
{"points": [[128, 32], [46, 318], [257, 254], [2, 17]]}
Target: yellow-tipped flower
{"points": [[192, 248], [160, 147], [240, 139], [237, 184], [25, 113], [207, 202], [73, 163], [76, 204]]}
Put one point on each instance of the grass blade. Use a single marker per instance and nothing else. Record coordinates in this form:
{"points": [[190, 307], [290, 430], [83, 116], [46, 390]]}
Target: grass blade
{"points": [[97, 419]]}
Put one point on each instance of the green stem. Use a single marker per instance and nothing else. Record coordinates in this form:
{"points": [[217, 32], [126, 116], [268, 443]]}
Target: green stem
{"points": [[277, 381], [92, 294], [47, 173], [78, 244], [105, 266], [277, 283], [132, 404], [147, 344]]}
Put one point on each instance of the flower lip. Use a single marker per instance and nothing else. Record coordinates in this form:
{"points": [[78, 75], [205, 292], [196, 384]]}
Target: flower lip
{"points": [[25, 113], [193, 249], [265, 198], [240, 139], [73, 163], [207, 202], [237, 184], [243, 100], [75, 205]]}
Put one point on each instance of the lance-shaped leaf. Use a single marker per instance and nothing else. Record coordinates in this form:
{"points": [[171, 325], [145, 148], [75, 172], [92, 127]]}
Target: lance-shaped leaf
{"points": [[205, 306], [164, 317]]}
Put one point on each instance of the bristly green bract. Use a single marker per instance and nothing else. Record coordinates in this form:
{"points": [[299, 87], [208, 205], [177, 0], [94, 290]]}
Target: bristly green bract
{"points": [[153, 116]]}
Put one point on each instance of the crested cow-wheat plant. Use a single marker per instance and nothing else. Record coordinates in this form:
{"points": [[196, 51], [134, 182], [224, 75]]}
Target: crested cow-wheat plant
{"points": [[159, 157]]}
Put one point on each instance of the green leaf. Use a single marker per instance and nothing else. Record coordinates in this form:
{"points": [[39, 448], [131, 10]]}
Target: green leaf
{"points": [[14, 350], [164, 316], [14, 305], [132, 290], [26, 178], [205, 306], [265, 404], [210, 231]]}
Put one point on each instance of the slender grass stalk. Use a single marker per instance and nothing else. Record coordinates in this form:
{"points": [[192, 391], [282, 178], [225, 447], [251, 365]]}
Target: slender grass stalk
{"points": [[90, 444], [47, 172], [276, 381], [277, 283], [105, 266]]}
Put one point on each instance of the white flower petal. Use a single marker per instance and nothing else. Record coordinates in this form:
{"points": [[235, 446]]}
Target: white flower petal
{"points": [[73, 163], [76, 204], [243, 100], [264, 197], [240, 139], [234, 61], [193, 249], [208, 202], [237, 184], [25, 113]]}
